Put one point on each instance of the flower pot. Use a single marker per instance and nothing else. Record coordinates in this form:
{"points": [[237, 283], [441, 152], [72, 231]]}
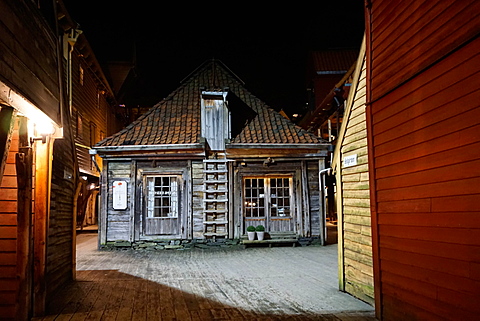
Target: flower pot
{"points": [[260, 235], [251, 236]]}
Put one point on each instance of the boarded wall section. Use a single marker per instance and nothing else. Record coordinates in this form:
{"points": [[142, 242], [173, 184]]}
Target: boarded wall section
{"points": [[406, 39], [427, 159], [8, 234], [355, 196]]}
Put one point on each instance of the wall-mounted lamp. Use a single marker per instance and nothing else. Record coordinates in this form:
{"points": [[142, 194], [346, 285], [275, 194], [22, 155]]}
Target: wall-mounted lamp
{"points": [[44, 129], [43, 138]]}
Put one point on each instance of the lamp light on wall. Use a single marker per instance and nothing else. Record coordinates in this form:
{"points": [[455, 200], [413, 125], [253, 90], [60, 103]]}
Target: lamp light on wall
{"points": [[44, 129]]}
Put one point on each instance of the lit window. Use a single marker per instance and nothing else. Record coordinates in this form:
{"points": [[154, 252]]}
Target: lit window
{"points": [[162, 196], [81, 75]]}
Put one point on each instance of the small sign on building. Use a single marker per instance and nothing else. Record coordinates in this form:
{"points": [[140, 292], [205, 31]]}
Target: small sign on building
{"points": [[119, 195], [350, 160]]}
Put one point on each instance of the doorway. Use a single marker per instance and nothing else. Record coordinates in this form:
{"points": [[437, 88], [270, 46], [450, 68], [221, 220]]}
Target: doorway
{"points": [[268, 201]]}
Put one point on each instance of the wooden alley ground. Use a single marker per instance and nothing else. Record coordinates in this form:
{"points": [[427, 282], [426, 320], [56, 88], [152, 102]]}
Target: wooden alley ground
{"points": [[278, 283]]}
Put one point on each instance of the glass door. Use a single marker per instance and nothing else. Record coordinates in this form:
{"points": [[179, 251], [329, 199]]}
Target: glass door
{"points": [[268, 201]]}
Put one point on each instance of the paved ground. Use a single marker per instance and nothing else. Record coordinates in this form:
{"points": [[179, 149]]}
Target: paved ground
{"points": [[278, 283]]}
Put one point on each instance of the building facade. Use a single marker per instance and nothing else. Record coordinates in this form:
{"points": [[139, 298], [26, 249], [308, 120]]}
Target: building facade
{"points": [[205, 163]]}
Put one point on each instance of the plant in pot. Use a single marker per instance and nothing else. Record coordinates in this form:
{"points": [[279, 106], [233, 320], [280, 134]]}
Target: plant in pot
{"points": [[260, 229], [251, 232]]}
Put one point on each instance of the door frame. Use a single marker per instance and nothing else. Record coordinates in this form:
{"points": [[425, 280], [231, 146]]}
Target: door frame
{"points": [[294, 208], [183, 212]]}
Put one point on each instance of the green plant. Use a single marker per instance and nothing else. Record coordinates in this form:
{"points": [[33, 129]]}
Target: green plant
{"points": [[251, 228], [260, 228]]}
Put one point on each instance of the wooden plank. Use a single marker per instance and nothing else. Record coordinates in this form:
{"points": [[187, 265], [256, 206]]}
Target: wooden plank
{"points": [[435, 234], [448, 74], [430, 277], [442, 264], [395, 67], [434, 134], [404, 109], [438, 219], [456, 171], [455, 187], [432, 154], [447, 250], [42, 207], [24, 163]]}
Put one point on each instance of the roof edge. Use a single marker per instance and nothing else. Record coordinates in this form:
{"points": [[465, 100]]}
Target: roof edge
{"points": [[147, 147], [279, 146]]}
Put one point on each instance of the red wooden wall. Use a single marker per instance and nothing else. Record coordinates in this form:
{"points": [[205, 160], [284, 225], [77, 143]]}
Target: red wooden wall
{"points": [[424, 126]]}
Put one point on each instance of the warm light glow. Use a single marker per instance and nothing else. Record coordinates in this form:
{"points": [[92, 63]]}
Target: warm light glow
{"points": [[45, 128], [39, 123]]}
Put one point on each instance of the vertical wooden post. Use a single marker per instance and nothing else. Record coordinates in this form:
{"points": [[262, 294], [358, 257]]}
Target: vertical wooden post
{"points": [[24, 224], [43, 160]]}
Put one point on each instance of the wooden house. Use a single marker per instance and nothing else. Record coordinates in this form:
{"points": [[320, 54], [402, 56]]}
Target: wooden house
{"points": [[350, 168], [93, 109], [39, 173], [329, 75], [208, 161], [423, 112]]}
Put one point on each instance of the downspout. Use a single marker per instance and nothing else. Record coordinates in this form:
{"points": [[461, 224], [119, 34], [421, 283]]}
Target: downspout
{"points": [[321, 175], [72, 40]]}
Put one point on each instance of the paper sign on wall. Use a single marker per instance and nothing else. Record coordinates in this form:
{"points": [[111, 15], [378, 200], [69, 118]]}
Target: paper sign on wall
{"points": [[119, 195], [350, 160]]}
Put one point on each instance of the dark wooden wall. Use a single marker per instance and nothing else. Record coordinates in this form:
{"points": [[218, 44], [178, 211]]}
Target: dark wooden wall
{"points": [[60, 254], [28, 62], [92, 105], [424, 110]]}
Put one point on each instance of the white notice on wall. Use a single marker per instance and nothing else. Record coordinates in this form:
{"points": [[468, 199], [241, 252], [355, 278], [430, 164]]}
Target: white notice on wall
{"points": [[119, 195], [350, 160]]}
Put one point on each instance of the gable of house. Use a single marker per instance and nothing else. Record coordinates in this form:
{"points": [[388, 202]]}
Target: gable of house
{"points": [[205, 162], [177, 118]]}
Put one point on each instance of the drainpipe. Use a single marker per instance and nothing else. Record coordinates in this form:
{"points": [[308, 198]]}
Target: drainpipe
{"points": [[323, 232], [72, 40], [92, 153]]}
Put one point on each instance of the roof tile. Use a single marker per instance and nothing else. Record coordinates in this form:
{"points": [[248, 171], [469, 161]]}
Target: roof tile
{"points": [[176, 119]]}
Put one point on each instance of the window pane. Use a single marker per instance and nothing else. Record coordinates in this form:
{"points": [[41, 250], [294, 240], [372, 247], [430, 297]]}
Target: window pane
{"points": [[254, 197], [162, 196]]}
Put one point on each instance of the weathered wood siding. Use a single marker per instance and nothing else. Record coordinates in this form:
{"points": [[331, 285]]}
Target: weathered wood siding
{"points": [[61, 222], [28, 62], [354, 207], [425, 93], [8, 234], [93, 117], [118, 222], [315, 203], [197, 199]]}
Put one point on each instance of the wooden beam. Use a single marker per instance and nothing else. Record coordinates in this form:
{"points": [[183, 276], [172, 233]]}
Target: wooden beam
{"points": [[24, 165], [43, 161]]}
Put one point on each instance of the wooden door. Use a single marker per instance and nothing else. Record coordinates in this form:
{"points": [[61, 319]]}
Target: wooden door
{"points": [[268, 201], [161, 215]]}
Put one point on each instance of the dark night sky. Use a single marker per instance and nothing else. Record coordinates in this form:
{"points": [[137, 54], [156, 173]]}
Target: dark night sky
{"points": [[267, 48]]}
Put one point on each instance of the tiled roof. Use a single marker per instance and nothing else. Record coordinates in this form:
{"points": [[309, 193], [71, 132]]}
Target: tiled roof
{"points": [[176, 119], [333, 60]]}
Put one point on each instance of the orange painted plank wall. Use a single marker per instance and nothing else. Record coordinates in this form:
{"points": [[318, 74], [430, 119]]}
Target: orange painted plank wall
{"points": [[8, 235], [408, 36], [425, 123]]}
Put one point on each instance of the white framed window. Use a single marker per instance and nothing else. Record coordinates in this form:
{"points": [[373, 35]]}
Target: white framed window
{"points": [[267, 196], [162, 196]]}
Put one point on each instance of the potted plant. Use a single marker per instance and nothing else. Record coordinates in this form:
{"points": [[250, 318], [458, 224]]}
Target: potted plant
{"points": [[251, 232], [260, 229]]}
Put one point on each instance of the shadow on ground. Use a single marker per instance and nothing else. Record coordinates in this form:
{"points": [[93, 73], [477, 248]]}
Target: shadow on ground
{"points": [[112, 295]]}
